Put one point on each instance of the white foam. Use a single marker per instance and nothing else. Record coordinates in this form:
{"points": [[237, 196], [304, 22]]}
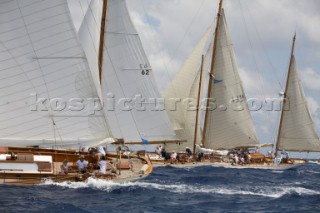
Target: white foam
{"points": [[264, 191], [89, 183], [277, 171], [313, 172]]}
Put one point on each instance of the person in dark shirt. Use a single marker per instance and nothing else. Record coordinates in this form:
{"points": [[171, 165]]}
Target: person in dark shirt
{"points": [[188, 151]]}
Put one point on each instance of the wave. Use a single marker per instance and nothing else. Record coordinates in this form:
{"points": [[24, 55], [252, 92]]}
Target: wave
{"points": [[89, 183], [277, 171], [271, 192]]}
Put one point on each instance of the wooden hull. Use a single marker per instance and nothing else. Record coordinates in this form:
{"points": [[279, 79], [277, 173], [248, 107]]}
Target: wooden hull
{"points": [[29, 166]]}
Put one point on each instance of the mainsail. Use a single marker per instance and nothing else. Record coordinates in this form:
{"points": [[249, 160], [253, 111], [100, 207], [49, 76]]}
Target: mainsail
{"points": [[48, 96], [228, 124], [296, 129], [128, 88]]}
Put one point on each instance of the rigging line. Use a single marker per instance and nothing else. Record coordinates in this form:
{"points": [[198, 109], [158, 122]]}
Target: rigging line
{"points": [[273, 68], [254, 59], [161, 52], [188, 28], [251, 48], [183, 37], [153, 83]]}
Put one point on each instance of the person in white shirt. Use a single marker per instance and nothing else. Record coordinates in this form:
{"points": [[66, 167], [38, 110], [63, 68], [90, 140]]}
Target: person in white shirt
{"points": [[103, 165], [65, 167], [100, 150], [82, 164], [173, 157]]}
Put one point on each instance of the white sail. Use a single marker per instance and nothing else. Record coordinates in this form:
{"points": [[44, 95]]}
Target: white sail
{"points": [[297, 132], [185, 86], [89, 35], [126, 74], [230, 124], [41, 58]]}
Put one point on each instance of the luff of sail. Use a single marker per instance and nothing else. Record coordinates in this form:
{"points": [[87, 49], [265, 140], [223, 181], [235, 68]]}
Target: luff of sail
{"points": [[89, 35], [41, 55], [126, 74], [185, 87], [296, 130], [228, 124]]}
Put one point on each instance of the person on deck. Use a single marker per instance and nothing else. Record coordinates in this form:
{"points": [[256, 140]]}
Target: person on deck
{"points": [[96, 153], [163, 152], [236, 159], [158, 151], [189, 152], [65, 167], [103, 165], [173, 157], [200, 156], [287, 158], [82, 164]]}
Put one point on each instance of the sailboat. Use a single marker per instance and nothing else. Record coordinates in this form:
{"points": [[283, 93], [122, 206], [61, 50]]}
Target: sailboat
{"points": [[296, 129], [56, 86], [228, 124], [227, 127]]}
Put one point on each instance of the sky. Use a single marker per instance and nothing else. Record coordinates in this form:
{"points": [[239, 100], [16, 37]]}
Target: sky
{"points": [[262, 34]]}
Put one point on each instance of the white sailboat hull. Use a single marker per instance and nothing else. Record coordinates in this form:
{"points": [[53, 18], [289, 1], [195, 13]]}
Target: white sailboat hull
{"points": [[229, 166], [267, 167]]}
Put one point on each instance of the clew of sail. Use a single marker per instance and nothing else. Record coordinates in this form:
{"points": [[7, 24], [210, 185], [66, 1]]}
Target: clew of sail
{"points": [[48, 96], [228, 122]]}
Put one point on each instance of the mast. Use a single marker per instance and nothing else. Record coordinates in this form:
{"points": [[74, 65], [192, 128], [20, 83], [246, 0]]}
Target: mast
{"points": [[198, 103], [103, 24], [285, 94], [212, 69]]}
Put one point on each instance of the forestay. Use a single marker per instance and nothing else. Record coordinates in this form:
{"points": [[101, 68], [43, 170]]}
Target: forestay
{"points": [[41, 58]]}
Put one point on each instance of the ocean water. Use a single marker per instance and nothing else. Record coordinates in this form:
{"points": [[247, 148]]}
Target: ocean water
{"points": [[169, 189]]}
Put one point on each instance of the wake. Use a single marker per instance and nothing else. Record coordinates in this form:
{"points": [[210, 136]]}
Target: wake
{"points": [[262, 191]]}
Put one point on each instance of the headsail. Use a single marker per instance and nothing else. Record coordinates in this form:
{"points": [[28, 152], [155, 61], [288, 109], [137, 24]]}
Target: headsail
{"points": [[126, 78], [296, 130], [41, 59], [185, 86], [229, 123]]}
